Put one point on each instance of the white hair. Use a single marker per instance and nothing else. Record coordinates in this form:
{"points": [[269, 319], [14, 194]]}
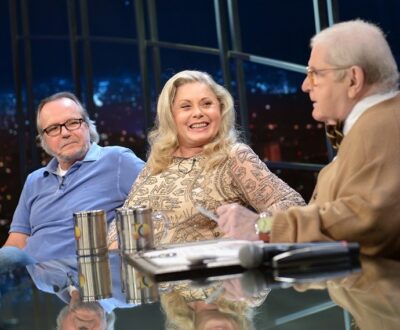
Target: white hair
{"points": [[362, 44]]}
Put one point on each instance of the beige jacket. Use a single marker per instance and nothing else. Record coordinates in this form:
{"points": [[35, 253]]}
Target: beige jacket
{"points": [[357, 196]]}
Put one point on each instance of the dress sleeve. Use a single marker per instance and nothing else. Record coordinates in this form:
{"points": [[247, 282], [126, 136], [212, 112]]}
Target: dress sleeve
{"points": [[112, 234], [263, 190]]}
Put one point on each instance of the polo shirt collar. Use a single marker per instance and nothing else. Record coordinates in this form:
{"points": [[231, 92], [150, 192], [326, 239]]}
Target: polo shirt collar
{"points": [[92, 155]]}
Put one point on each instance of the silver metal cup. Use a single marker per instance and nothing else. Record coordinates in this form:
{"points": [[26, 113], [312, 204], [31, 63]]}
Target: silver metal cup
{"points": [[90, 232], [94, 278], [135, 229], [138, 288]]}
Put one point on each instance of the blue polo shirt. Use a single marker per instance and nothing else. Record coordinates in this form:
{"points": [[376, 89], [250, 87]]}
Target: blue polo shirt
{"points": [[102, 180]]}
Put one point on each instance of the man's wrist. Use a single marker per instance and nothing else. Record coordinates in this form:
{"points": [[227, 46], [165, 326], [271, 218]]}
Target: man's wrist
{"points": [[263, 226]]}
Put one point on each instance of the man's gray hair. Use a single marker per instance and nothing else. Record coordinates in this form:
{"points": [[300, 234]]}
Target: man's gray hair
{"points": [[94, 135], [363, 44], [110, 317]]}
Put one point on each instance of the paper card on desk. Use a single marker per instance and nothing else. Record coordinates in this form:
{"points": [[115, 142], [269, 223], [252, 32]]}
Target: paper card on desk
{"points": [[191, 260], [193, 254]]}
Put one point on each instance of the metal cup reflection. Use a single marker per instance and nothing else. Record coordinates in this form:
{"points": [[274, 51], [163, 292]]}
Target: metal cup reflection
{"points": [[94, 278], [138, 288]]}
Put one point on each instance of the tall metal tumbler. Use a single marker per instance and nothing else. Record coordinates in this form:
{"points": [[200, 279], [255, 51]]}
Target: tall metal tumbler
{"points": [[91, 232], [135, 229], [94, 277]]}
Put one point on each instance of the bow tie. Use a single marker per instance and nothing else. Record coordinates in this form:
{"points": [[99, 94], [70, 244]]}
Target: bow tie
{"points": [[334, 134]]}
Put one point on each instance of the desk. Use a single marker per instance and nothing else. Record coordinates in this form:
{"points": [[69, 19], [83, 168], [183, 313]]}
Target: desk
{"points": [[371, 296]]}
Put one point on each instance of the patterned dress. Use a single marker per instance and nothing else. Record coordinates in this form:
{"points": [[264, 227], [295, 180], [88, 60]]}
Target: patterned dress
{"points": [[174, 194]]}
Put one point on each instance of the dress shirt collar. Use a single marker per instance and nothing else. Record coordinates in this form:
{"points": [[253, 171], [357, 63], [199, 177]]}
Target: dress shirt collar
{"points": [[363, 106]]}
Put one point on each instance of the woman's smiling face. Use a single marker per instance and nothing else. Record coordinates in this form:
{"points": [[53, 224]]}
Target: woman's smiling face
{"points": [[197, 115]]}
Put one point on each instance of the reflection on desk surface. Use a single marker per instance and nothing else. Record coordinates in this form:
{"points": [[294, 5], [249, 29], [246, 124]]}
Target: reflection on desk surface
{"points": [[32, 298]]}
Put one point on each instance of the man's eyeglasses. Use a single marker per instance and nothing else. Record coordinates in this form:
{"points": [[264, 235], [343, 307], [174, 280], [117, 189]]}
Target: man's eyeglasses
{"points": [[70, 125], [313, 73]]}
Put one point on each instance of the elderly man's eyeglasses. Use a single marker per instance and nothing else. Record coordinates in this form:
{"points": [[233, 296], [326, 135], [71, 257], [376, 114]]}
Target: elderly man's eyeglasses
{"points": [[70, 125], [313, 73]]}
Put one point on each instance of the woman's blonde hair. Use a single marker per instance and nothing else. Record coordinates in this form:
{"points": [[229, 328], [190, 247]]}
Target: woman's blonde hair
{"points": [[163, 138], [179, 316]]}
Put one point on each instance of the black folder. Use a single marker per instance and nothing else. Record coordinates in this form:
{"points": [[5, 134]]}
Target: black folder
{"points": [[221, 257]]}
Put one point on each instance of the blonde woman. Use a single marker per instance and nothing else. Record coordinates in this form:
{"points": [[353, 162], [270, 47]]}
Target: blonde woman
{"points": [[183, 313], [196, 158]]}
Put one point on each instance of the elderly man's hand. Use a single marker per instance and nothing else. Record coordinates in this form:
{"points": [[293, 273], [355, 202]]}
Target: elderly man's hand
{"points": [[237, 222]]}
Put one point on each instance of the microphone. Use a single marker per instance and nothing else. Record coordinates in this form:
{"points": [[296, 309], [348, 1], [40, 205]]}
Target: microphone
{"points": [[255, 255]]}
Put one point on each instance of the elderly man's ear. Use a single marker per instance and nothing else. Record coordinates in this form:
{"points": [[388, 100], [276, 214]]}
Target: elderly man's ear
{"points": [[356, 82]]}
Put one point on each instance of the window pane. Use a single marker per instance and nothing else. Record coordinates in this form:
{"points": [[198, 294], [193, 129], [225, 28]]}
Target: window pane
{"points": [[48, 18], [174, 61], [117, 96], [187, 22], [114, 18], [281, 125], [271, 29], [10, 184], [302, 181]]}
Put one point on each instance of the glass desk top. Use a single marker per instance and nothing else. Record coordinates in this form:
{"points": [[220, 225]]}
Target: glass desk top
{"points": [[33, 297]]}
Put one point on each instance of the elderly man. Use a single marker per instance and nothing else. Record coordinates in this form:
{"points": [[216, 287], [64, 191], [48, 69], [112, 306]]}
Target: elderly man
{"points": [[81, 176], [84, 315], [352, 80]]}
